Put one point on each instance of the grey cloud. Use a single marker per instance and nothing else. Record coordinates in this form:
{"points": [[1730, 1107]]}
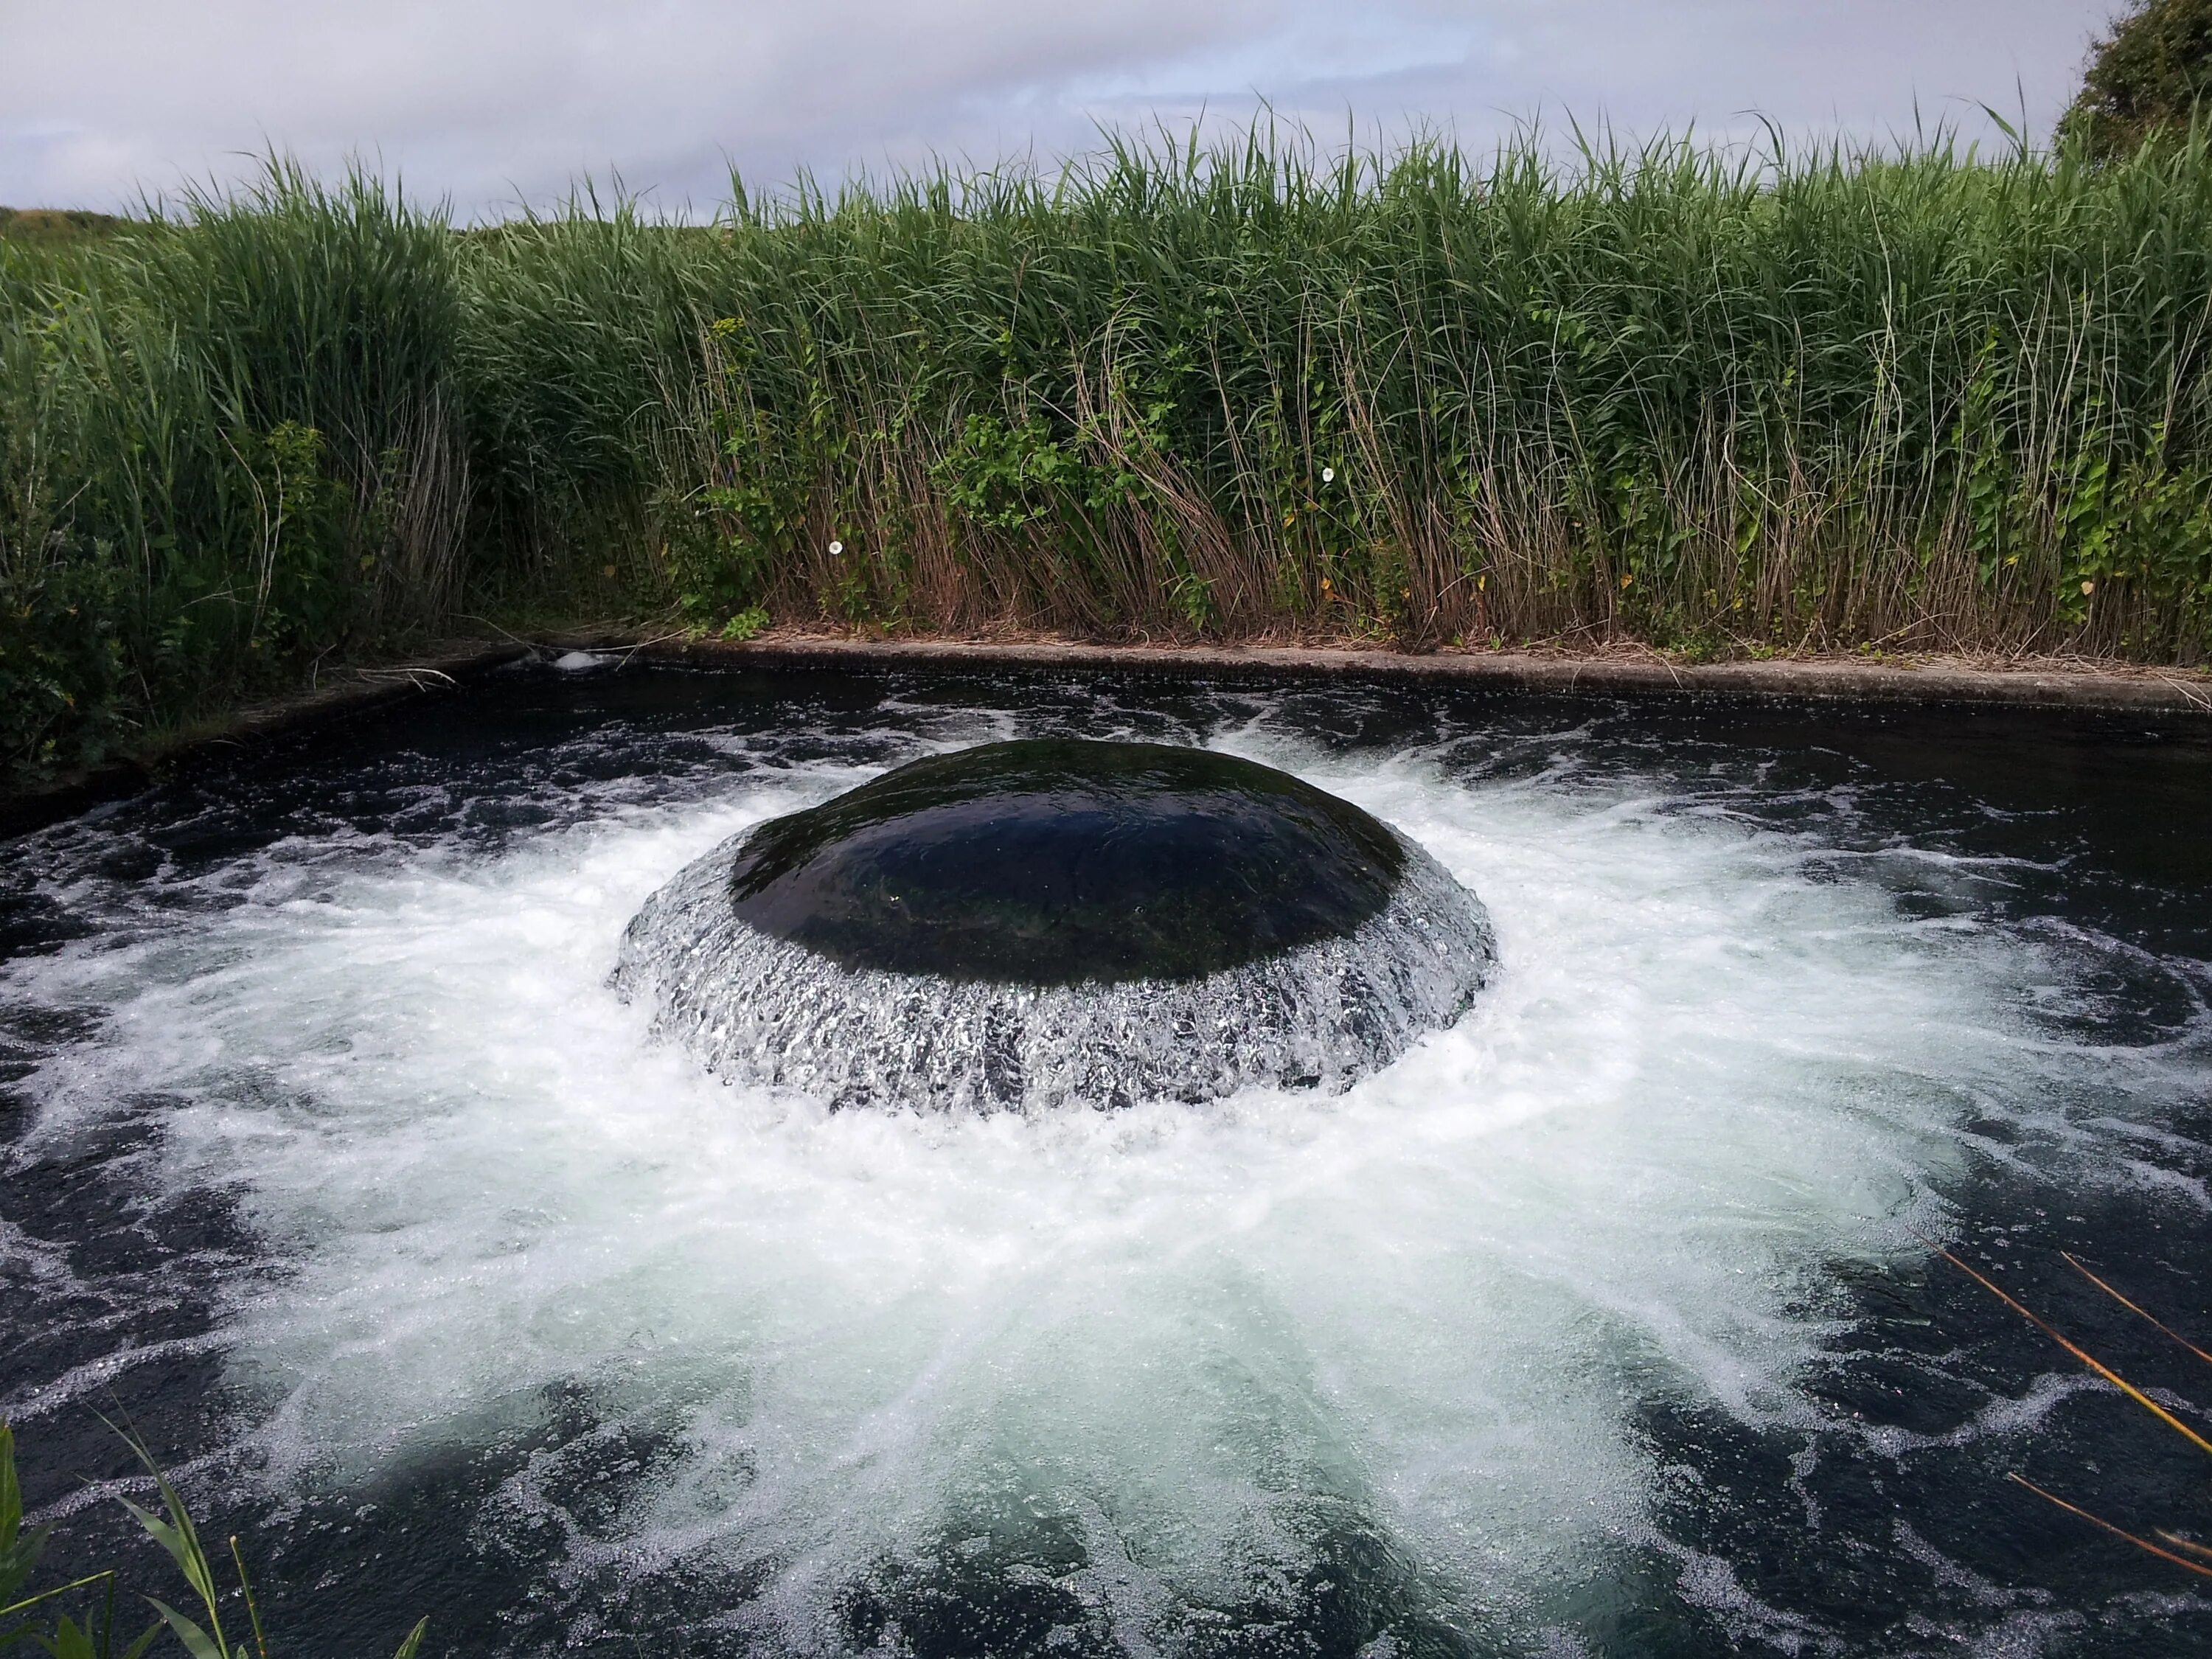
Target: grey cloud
{"points": [[494, 101]]}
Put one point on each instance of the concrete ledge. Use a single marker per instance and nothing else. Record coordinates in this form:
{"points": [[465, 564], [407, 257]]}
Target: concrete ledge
{"points": [[2115, 687], [2121, 687]]}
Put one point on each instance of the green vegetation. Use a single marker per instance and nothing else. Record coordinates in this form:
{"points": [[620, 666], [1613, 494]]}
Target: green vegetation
{"points": [[56, 226], [2147, 78], [1716, 403], [231, 451], [59, 1620]]}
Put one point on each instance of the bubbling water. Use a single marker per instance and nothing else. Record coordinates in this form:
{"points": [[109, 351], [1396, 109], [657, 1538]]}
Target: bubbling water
{"points": [[1039, 924], [1199, 1345]]}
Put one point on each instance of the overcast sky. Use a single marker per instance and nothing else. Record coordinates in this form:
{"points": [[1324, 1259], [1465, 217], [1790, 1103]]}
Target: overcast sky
{"points": [[493, 102]]}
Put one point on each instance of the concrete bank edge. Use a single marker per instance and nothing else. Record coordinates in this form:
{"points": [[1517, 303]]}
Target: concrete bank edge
{"points": [[2141, 690], [2162, 693]]}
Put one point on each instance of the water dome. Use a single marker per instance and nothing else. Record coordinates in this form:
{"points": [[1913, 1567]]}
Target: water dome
{"points": [[1023, 923]]}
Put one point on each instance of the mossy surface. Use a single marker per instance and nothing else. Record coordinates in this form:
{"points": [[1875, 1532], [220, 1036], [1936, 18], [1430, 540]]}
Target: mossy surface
{"points": [[1055, 862]]}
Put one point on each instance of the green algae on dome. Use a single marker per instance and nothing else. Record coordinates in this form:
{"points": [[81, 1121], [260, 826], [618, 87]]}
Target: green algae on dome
{"points": [[1061, 862]]}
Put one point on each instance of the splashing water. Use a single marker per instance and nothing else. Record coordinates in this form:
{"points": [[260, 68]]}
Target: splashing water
{"points": [[1149, 1369], [757, 1009]]}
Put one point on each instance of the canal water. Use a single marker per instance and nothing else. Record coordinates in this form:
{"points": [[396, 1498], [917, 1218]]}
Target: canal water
{"points": [[1612, 1320]]}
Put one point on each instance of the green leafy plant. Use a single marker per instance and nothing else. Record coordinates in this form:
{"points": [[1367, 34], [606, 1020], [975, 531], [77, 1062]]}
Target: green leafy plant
{"points": [[2149, 75], [745, 625], [173, 1529]]}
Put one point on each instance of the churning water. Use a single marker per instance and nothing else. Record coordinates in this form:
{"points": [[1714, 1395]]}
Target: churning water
{"points": [[1045, 924], [1605, 1321]]}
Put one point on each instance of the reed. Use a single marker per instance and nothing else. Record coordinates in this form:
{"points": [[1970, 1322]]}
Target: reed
{"points": [[230, 448], [78, 1620], [2189, 1554], [1711, 401]]}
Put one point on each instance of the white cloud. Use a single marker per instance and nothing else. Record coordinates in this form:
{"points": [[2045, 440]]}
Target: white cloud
{"points": [[493, 101]]}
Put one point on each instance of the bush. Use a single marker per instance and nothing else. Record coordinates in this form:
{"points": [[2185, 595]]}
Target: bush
{"points": [[2147, 78]]}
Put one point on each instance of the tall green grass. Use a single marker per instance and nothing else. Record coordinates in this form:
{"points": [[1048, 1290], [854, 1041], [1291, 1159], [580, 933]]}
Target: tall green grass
{"points": [[1712, 401], [230, 449]]}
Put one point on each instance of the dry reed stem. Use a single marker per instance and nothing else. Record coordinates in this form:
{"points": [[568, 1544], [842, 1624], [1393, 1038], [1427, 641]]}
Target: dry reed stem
{"points": [[2181, 1561], [2074, 1262], [2085, 1357]]}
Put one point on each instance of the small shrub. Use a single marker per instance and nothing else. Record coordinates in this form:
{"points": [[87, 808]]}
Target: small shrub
{"points": [[745, 625], [2148, 77]]}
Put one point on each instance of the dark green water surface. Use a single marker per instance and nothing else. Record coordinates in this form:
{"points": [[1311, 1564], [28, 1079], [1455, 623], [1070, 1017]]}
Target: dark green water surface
{"points": [[1058, 861]]}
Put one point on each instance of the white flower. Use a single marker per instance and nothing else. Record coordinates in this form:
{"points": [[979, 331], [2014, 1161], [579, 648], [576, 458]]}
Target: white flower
{"points": [[1329, 475], [836, 548]]}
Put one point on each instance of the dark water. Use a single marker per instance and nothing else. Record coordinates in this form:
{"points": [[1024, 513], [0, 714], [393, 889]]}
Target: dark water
{"points": [[1873, 1517], [1051, 862]]}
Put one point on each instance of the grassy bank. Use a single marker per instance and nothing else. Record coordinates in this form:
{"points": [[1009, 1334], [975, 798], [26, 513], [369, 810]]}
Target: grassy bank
{"points": [[1718, 404], [53, 226]]}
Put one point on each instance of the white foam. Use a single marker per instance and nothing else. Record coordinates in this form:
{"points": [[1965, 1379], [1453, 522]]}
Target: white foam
{"points": [[1700, 1075], [755, 1009]]}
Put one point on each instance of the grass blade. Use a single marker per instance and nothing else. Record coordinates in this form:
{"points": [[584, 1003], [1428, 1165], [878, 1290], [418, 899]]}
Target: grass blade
{"points": [[2117, 1532], [200, 1643], [14, 1607], [2189, 1544], [2164, 1330], [2086, 1358]]}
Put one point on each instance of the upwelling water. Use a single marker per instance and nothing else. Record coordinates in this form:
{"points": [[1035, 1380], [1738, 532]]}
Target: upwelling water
{"points": [[1606, 1321]]}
